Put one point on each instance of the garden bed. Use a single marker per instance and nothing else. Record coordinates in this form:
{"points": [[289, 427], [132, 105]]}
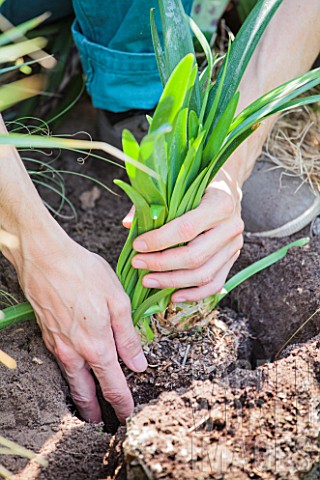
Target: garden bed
{"points": [[207, 406]]}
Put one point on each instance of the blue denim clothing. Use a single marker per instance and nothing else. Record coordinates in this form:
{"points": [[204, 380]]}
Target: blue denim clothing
{"points": [[115, 47]]}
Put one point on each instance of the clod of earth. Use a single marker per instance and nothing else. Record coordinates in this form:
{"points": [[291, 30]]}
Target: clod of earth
{"points": [[250, 424]]}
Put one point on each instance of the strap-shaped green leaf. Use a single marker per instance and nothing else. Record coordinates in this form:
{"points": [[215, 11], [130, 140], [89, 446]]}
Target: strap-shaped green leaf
{"points": [[152, 300], [153, 153], [186, 175], [158, 50], [177, 148], [142, 208], [284, 92], [188, 201], [193, 126], [130, 145], [256, 267], [127, 252], [219, 133], [178, 42], [19, 31], [217, 89], [283, 97], [241, 52], [177, 36], [208, 73], [158, 214], [16, 313], [173, 97]]}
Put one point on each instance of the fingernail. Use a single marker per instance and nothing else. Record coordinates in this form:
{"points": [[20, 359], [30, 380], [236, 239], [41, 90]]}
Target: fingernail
{"points": [[140, 246], [222, 291], [139, 264], [179, 299], [139, 362], [151, 283]]}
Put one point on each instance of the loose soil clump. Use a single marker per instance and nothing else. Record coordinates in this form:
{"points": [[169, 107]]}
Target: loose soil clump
{"points": [[256, 424]]}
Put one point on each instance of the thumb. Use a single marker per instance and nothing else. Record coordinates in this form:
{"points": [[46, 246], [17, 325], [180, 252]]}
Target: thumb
{"points": [[127, 221]]}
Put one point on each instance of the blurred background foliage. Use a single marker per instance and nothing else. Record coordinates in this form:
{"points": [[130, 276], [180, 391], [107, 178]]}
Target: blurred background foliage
{"points": [[51, 78]]}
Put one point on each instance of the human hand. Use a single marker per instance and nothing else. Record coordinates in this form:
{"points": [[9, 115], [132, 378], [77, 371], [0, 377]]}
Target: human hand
{"points": [[212, 234], [85, 318]]}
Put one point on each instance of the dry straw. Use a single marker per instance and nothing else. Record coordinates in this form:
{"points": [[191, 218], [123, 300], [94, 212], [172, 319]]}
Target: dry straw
{"points": [[294, 144]]}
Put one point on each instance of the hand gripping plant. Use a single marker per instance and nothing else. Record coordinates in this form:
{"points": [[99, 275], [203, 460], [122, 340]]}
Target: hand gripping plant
{"points": [[193, 132]]}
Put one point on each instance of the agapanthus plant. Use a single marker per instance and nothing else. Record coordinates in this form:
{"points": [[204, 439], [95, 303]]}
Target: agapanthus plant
{"points": [[193, 132]]}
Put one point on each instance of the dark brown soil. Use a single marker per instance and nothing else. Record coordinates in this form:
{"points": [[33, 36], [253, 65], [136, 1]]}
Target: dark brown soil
{"points": [[35, 414], [36, 410], [280, 299]]}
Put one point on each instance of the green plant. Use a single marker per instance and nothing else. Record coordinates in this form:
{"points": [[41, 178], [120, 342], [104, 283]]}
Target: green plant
{"points": [[194, 130], [14, 47], [59, 69]]}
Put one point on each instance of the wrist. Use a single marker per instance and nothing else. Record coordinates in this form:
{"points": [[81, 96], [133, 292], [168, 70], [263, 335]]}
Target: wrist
{"points": [[230, 182], [38, 236], [24, 219]]}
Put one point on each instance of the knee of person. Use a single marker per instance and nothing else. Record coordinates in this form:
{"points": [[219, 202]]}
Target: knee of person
{"points": [[18, 12]]}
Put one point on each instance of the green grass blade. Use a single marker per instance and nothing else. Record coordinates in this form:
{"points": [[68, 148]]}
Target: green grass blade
{"points": [[241, 52], [140, 312], [15, 314], [142, 208], [219, 133], [177, 36], [208, 53], [283, 93], [217, 89], [177, 148], [12, 52], [38, 141], [158, 49], [178, 41], [174, 94], [261, 265], [186, 175], [19, 31]]}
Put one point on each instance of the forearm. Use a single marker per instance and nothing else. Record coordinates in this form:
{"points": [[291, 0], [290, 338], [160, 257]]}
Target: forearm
{"points": [[287, 49], [22, 212]]}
